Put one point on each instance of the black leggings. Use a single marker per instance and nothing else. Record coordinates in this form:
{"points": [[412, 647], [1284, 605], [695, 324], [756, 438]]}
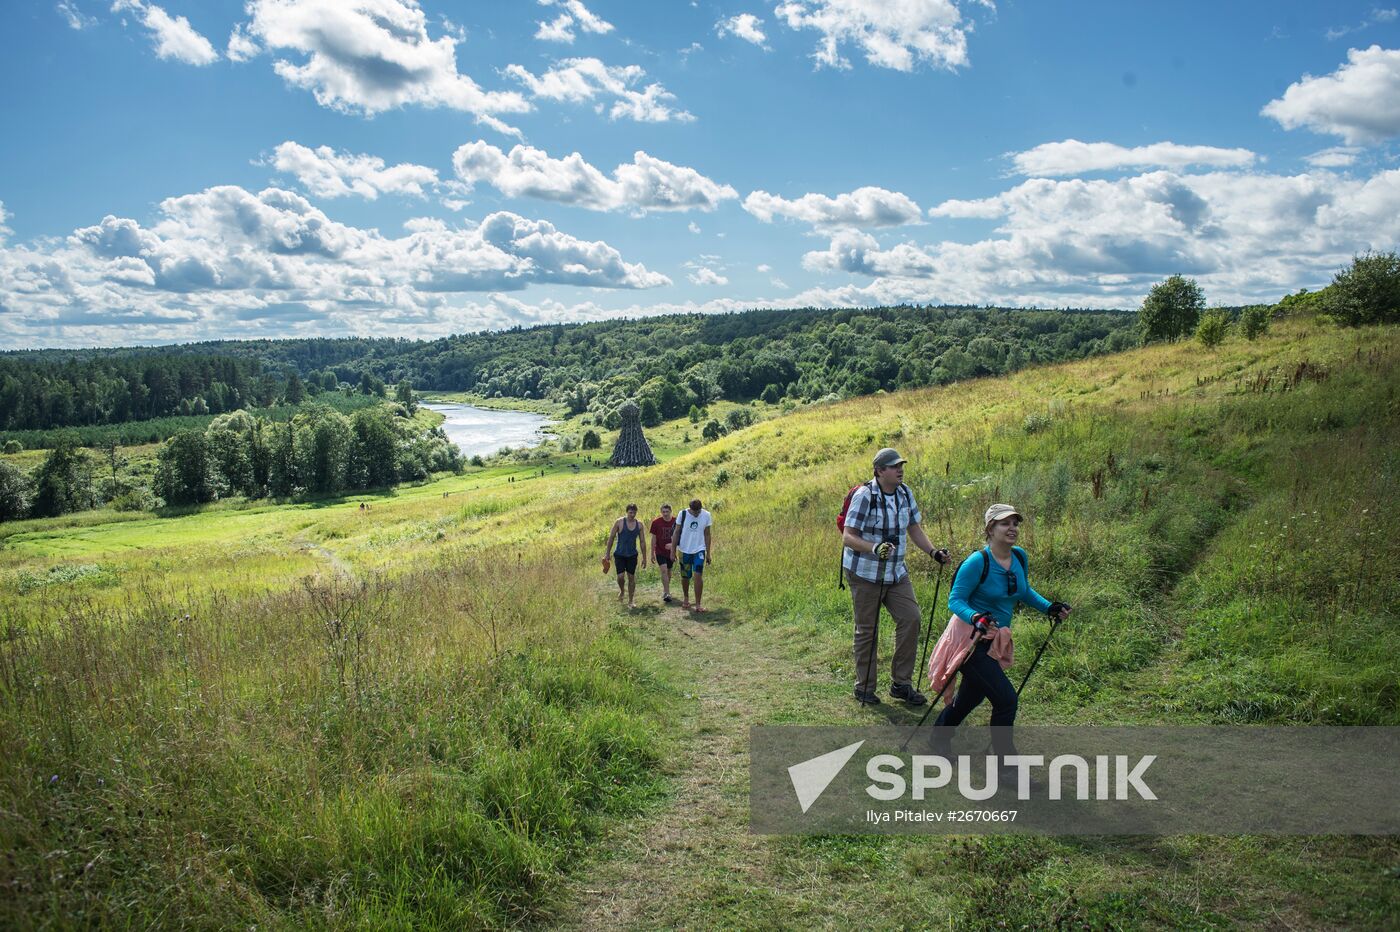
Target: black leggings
{"points": [[982, 678]]}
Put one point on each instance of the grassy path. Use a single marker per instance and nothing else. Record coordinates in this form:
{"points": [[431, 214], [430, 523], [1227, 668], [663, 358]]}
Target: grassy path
{"points": [[337, 565], [691, 862], [655, 861]]}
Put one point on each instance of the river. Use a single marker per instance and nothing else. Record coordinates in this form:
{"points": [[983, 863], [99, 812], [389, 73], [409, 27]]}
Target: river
{"points": [[484, 431]]}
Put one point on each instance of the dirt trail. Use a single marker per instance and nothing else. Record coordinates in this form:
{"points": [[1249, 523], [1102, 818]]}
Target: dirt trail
{"points": [[671, 867], [655, 859], [340, 567]]}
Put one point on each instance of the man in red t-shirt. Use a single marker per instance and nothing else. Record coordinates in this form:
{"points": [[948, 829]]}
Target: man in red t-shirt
{"points": [[662, 529]]}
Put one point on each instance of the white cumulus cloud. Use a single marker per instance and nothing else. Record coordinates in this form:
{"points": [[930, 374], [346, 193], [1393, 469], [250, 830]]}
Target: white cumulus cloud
{"points": [[1072, 157], [646, 184], [173, 36], [863, 207], [1247, 237], [745, 26], [1334, 157], [326, 173], [226, 254], [898, 35], [367, 56], [577, 80], [561, 28], [707, 276], [240, 47], [1360, 101]]}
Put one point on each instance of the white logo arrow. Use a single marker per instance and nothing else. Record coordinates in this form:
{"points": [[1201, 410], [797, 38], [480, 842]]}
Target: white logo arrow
{"points": [[811, 777]]}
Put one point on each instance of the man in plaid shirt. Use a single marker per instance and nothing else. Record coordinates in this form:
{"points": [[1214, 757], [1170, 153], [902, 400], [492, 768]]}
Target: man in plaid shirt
{"points": [[881, 517]]}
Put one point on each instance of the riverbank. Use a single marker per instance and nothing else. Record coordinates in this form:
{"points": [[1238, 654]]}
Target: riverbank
{"points": [[478, 431], [550, 409]]}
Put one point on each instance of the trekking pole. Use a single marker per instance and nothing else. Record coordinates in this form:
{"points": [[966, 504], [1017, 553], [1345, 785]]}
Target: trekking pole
{"points": [[977, 631], [937, 587], [1046, 643]]}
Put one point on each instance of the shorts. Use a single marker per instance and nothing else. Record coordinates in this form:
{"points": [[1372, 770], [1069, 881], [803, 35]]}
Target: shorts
{"points": [[625, 564], [664, 561], [692, 564]]}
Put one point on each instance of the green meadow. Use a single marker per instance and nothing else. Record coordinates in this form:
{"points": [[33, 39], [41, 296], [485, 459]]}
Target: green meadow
{"points": [[431, 712]]}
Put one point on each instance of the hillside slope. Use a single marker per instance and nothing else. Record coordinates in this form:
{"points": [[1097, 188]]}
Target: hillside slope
{"points": [[433, 748]]}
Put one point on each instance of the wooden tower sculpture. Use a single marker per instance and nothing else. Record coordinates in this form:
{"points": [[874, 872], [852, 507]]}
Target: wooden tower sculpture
{"points": [[632, 448]]}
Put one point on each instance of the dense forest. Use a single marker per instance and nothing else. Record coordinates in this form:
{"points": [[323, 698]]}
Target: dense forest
{"points": [[318, 451], [665, 363], [43, 390]]}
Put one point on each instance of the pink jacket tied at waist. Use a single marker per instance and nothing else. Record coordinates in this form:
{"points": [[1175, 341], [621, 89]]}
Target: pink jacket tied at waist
{"points": [[953, 647]]}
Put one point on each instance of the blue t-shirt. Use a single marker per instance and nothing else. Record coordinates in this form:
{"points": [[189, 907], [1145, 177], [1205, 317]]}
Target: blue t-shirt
{"points": [[997, 595]]}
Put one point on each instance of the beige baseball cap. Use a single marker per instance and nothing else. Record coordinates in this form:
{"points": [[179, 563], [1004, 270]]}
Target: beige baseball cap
{"points": [[999, 511]]}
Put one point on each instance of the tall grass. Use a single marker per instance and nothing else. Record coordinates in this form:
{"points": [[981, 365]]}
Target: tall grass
{"points": [[424, 750], [1148, 479]]}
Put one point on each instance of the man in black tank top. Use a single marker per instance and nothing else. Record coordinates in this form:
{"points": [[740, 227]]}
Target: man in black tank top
{"points": [[631, 543]]}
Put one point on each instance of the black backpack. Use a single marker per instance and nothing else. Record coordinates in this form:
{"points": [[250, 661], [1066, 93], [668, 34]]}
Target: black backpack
{"points": [[987, 567]]}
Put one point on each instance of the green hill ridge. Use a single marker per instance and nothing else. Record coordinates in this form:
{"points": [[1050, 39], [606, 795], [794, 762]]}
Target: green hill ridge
{"points": [[448, 711]]}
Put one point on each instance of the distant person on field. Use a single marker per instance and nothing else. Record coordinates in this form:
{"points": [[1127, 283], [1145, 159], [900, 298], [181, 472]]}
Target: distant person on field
{"points": [[663, 532], [984, 592], [881, 515], [631, 543], [692, 540]]}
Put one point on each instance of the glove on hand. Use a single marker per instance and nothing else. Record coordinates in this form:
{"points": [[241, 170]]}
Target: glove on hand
{"points": [[1057, 610], [982, 622], [884, 551]]}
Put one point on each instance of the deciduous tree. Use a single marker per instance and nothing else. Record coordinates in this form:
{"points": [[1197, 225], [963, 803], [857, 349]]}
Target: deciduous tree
{"points": [[1367, 291], [1171, 310]]}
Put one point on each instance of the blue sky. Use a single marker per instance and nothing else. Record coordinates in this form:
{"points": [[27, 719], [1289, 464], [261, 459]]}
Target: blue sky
{"points": [[179, 171]]}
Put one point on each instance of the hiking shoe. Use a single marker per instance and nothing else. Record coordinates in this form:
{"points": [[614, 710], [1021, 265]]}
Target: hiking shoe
{"points": [[867, 697], [1008, 779], [941, 745], [908, 693]]}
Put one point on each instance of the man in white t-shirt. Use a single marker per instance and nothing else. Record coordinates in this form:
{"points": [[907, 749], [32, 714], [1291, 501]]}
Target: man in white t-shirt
{"points": [[693, 544]]}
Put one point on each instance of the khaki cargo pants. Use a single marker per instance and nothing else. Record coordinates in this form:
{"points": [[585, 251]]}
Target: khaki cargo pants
{"points": [[904, 609]]}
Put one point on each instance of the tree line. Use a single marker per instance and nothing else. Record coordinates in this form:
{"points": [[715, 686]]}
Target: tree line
{"points": [[320, 451], [45, 390], [665, 364]]}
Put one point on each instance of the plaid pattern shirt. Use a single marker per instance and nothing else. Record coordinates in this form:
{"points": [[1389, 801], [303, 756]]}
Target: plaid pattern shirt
{"points": [[876, 515]]}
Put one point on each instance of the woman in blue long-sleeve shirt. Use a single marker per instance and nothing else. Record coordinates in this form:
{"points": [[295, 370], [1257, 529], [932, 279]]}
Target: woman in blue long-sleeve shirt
{"points": [[985, 591]]}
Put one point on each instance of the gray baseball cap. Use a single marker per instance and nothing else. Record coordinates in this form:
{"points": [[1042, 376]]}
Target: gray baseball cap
{"points": [[888, 457]]}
